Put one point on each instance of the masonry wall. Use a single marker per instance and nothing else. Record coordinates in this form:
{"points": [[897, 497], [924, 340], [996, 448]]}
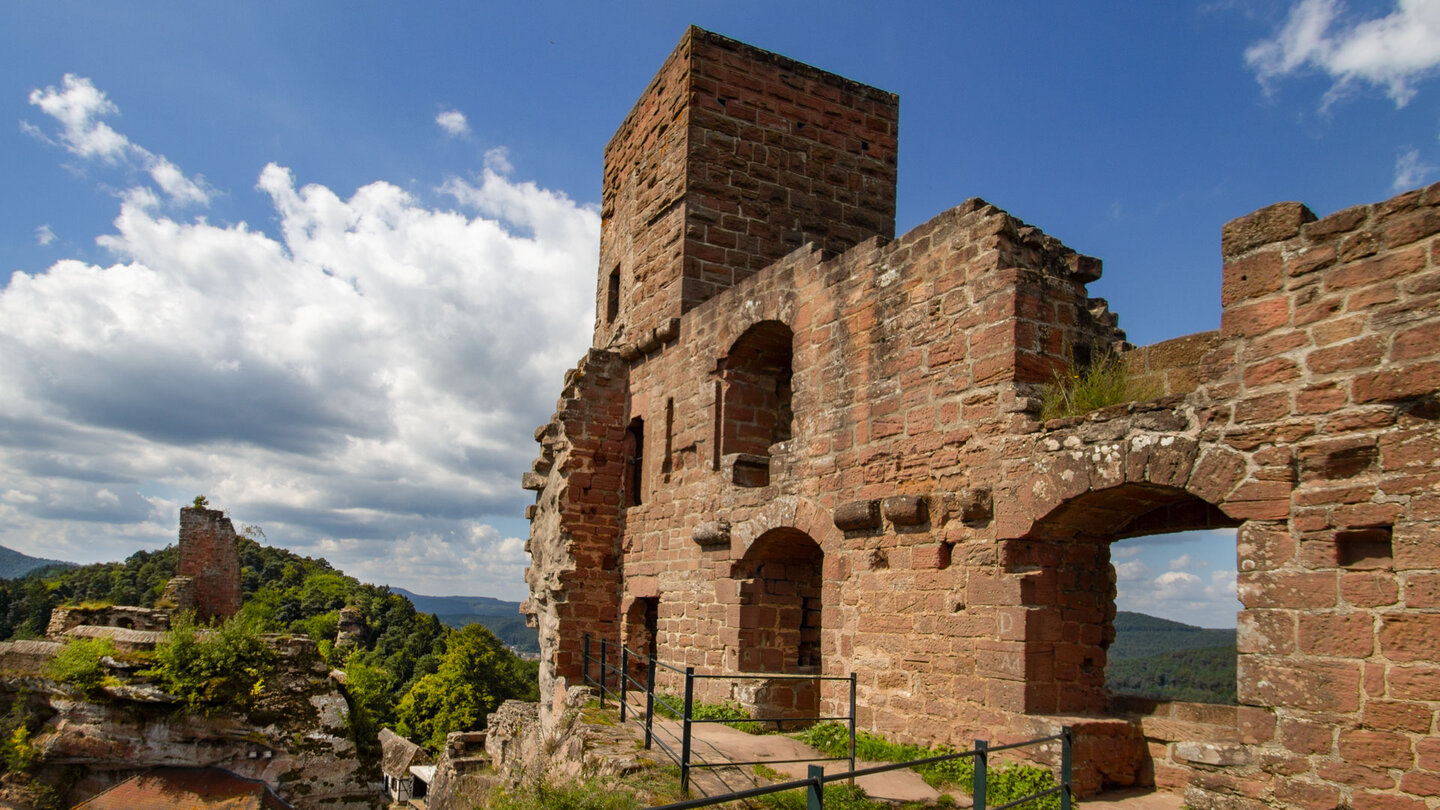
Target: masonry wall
{"points": [[732, 158], [210, 556], [964, 543], [574, 543]]}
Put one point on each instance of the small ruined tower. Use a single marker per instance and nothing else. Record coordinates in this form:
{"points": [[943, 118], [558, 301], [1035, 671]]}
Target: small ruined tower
{"points": [[210, 557]]}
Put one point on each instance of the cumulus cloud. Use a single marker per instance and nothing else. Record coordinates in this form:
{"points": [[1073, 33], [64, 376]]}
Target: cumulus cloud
{"points": [[44, 236], [1185, 561], [77, 106], [1392, 52], [1195, 587], [363, 383], [453, 122]]}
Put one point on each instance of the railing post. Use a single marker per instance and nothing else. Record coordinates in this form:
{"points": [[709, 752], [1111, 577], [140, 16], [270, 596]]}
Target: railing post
{"points": [[852, 728], [624, 678], [1066, 753], [815, 791], [650, 704], [585, 658], [604, 676], [685, 731], [982, 757]]}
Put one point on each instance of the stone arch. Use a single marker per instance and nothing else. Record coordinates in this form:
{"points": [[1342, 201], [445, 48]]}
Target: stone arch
{"points": [[756, 409], [1068, 593], [779, 584]]}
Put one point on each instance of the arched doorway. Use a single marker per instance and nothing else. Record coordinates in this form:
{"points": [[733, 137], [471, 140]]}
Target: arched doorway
{"points": [[780, 584]]}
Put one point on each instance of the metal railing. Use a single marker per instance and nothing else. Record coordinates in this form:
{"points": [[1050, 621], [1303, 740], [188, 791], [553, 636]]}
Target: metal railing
{"points": [[686, 711], [815, 780]]}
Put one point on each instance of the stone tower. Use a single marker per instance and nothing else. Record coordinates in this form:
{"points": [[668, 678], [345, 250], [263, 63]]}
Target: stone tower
{"points": [[210, 556], [732, 158]]}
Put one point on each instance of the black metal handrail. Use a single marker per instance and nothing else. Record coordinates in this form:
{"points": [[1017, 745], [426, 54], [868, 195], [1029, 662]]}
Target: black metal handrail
{"points": [[815, 781], [685, 758]]}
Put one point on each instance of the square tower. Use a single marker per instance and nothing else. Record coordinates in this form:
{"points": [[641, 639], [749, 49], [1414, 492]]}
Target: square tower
{"points": [[732, 158]]}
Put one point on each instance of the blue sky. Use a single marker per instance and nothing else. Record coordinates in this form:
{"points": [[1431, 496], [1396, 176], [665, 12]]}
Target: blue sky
{"points": [[326, 262]]}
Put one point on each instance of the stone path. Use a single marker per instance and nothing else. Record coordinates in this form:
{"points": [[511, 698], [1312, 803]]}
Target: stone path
{"points": [[713, 742]]}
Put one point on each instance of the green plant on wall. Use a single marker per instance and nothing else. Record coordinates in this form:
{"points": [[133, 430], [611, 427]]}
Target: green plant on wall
{"points": [[1081, 388]]}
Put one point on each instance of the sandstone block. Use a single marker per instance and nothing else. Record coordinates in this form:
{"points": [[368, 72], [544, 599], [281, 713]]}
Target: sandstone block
{"points": [[857, 516], [904, 510]]}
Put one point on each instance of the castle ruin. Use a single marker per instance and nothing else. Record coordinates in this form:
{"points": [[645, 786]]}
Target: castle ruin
{"points": [[800, 445]]}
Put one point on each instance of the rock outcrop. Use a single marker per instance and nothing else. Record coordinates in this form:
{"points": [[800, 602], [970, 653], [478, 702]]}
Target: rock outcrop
{"points": [[296, 738]]}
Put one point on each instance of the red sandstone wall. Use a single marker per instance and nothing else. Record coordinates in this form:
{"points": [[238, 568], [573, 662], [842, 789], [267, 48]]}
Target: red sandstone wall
{"points": [[209, 555], [732, 158], [574, 576], [965, 545]]}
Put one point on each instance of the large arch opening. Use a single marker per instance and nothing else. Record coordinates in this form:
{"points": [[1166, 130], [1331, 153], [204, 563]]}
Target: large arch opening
{"points": [[1074, 599], [755, 406], [779, 586]]}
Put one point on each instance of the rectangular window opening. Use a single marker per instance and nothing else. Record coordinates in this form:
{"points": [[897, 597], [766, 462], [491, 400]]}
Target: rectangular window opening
{"points": [[612, 297]]}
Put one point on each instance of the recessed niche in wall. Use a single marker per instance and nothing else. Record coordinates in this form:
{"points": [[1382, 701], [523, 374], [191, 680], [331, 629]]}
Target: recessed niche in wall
{"points": [[1369, 547]]}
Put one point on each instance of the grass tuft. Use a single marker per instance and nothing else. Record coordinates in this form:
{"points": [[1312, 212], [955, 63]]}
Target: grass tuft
{"points": [[1105, 382], [1004, 784]]}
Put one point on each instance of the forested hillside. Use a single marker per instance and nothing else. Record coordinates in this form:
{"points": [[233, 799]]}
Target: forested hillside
{"points": [[1159, 658], [14, 564], [503, 618], [409, 669], [1140, 636]]}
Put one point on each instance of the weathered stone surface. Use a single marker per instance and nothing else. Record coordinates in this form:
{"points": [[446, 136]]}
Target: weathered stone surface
{"points": [[715, 532], [296, 739], [864, 370], [857, 516], [904, 510]]}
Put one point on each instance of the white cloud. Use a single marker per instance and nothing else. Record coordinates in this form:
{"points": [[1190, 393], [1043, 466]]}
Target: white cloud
{"points": [[44, 236], [78, 107], [1393, 52], [453, 122], [1187, 592], [364, 383], [1411, 171], [1185, 561], [497, 160]]}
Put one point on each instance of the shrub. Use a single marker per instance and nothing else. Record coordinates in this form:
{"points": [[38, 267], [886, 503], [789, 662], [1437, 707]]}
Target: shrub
{"points": [[16, 750], [209, 669], [78, 663], [1106, 381]]}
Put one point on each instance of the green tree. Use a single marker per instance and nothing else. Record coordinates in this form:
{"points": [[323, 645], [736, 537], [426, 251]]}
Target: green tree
{"points": [[475, 676]]}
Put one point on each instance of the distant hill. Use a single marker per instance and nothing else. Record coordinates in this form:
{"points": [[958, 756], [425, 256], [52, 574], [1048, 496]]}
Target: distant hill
{"points": [[1159, 658], [503, 618], [1140, 636], [14, 564]]}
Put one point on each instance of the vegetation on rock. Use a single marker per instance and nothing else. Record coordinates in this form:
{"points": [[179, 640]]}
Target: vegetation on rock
{"points": [[78, 663], [223, 668], [292, 594]]}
